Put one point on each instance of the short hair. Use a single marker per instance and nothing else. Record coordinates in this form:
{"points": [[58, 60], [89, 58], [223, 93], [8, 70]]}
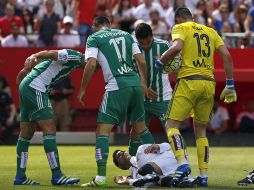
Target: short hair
{"points": [[101, 20], [183, 13], [143, 30], [52, 2], [114, 158], [154, 11]]}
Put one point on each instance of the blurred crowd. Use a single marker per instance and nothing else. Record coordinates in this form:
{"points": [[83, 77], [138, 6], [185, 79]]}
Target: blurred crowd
{"points": [[67, 23]]}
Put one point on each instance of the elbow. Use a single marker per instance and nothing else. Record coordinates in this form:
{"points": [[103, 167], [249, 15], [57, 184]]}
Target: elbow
{"points": [[176, 50], [91, 64], [93, 67], [142, 63]]}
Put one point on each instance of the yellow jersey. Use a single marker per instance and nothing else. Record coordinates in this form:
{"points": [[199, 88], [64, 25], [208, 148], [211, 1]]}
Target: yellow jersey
{"points": [[199, 44]]}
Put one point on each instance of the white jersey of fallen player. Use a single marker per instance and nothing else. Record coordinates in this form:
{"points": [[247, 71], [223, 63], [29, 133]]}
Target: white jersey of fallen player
{"points": [[165, 159]]}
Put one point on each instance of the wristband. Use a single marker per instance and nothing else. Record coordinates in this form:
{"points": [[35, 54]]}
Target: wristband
{"points": [[230, 83]]}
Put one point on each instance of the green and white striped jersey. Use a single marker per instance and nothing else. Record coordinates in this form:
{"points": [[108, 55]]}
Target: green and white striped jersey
{"points": [[156, 79], [48, 72], [113, 50]]}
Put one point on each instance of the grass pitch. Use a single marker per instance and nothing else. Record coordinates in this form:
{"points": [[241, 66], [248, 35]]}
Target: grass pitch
{"points": [[227, 166]]}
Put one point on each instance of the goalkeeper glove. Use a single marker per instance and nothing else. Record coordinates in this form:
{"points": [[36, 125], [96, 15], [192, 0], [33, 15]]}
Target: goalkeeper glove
{"points": [[158, 64], [229, 94]]}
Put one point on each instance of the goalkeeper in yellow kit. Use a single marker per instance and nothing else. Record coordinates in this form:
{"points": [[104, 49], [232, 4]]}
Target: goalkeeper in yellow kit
{"points": [[195, 87]]}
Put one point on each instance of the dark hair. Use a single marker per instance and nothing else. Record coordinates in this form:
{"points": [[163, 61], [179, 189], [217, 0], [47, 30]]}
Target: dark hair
{"points": [[120, 7], [143, 30], [154, 11], [30, 21], [183, 13], [101, 20], [114, 158]]}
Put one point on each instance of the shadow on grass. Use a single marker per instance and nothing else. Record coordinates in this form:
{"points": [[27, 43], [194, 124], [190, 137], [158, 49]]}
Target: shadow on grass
{"points": [[42, 187], [49, 187]]}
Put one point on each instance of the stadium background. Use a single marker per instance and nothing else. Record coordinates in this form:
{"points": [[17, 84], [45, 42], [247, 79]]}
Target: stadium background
{"points": [[85, 118]]}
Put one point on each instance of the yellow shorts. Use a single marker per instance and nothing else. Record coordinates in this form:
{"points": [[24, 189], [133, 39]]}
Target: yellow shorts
{"points": [[192, 97]]}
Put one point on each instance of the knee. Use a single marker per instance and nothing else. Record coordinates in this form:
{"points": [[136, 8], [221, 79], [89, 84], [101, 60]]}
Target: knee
{"points": [[146, 169], [200, 130], [170, 123], [139, 127], [134, 135]]}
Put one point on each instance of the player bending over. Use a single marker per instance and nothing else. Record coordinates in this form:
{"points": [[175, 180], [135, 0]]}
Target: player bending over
{"points": [[41, 71], [195, 87]]}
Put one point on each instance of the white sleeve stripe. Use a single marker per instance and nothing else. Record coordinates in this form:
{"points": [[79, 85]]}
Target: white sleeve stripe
{"points": [[91, 52]]}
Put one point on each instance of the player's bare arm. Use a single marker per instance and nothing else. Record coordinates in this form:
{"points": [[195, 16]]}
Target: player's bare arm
{"points": [[22, 73], [87, 75], [227, 59], [142, 70], [34, 59], [172, 52]]}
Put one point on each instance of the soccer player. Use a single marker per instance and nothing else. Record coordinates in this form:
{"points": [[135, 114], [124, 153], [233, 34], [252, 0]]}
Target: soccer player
{"points": [[159, 88], [195, 87], [41, 71], [154, 163], [113, 50]]}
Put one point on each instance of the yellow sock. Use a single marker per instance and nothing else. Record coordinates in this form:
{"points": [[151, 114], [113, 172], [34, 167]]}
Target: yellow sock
{"points": [[176, 142], [203, 154]]}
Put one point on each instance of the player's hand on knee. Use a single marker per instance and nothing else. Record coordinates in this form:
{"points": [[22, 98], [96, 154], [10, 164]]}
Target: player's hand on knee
{"points": [[151, 94], [145, 90], [228, 95]]}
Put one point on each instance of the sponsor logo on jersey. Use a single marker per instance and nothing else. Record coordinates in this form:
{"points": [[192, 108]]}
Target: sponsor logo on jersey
{"points": [[124, 69], [202, 63]]}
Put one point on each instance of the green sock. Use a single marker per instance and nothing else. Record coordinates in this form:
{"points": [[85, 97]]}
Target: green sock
{"points": [[146, 137], [49, 142], [133, 146], [102, 150], [22, 155]]}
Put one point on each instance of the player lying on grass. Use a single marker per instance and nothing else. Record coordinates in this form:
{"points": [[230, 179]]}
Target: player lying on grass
{"points": [[155, 164], [41, 71]]}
